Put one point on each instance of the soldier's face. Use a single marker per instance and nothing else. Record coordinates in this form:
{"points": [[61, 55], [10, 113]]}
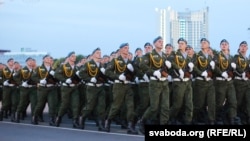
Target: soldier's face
{"points": [[11, 63], [148, 49], [243, 48], [169, 50], [125, 50], [182, 45], [224, 46], [159, 44], [97, 54], [72, 58], [139, 53], [204, 45]]}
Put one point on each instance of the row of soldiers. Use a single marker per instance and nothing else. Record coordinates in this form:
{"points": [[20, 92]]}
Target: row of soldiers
{"points": [[156, 87]]}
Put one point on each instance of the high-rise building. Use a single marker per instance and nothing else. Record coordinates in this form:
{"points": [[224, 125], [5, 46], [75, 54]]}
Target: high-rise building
{"points": [[191, 25]]}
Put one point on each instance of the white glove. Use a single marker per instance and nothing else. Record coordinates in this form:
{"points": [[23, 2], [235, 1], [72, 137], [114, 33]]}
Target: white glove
{"points": [[93, 80], [244, 75], [168, 64], [137, 80], [25, 84], [77, 73], [212, 64], [204, 74], [43, 81], [233, 65], [169, 78], [122, 77], [157, 73], [52, 72], [103, 70], [191, 66], [14, 74], [69, 81], [225, 75], [130, 67], [181, 73], [145, 77], [6, 83]]}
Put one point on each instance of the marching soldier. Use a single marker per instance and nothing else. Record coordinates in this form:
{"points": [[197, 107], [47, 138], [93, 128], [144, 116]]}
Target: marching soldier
{"points": [[69, 89], [121, 70], [224, 87], [204, 91], [156, 66], [93, 74], [241, 69], [44, 76], [10, 93], [182, 66], [28, 89]]}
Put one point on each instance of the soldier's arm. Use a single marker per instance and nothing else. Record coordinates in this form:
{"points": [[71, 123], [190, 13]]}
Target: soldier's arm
{"points": [[145, 65], [110, 70], [83, 73], [59, 74], [17, 77], [217, 71], [35, 75], [196, 69]]}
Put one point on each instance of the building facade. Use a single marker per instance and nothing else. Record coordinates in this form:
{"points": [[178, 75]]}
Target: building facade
{"points": [[191, 25]]}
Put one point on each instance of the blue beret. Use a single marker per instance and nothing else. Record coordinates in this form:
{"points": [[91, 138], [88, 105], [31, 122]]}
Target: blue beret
{"points": [[29, 58], [157, 38], [243, 42], [96, 50], [147, 44], [72, 52], [113, 52], [224, 41], [168, 45], [105, 56], [182, 39], [138, 49], [123, 45], [46, 56], [10, 59], [204, 39]]}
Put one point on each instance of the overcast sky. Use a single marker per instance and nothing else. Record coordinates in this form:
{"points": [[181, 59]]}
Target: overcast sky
{"points": [[62, 26]]}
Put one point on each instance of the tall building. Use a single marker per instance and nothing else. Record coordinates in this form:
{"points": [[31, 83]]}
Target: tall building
{"points": [[191, 25]]}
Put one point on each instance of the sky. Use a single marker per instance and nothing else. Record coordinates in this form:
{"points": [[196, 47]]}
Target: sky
{"points": [[61, 26]]}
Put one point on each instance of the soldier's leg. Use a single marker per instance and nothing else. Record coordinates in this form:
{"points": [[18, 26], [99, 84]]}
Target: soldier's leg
{"points": [[42, 94], [65, 103], [75, 107], [129, 101], [52, 102]]}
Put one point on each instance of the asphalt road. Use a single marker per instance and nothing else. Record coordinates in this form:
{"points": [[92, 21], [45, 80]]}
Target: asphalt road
{"points": [[25, 131]]}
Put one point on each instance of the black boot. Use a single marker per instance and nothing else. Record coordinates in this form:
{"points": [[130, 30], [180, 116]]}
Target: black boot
{"points": [[12, 117], [5, 114], [101, 125], [1, 115], [52, 121], [82, 122], [131, 128], [124, 124], [58, 121], [76, 123], [34, 120], [107, 125], [141, 124], [40, 118], [17, 117]]}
